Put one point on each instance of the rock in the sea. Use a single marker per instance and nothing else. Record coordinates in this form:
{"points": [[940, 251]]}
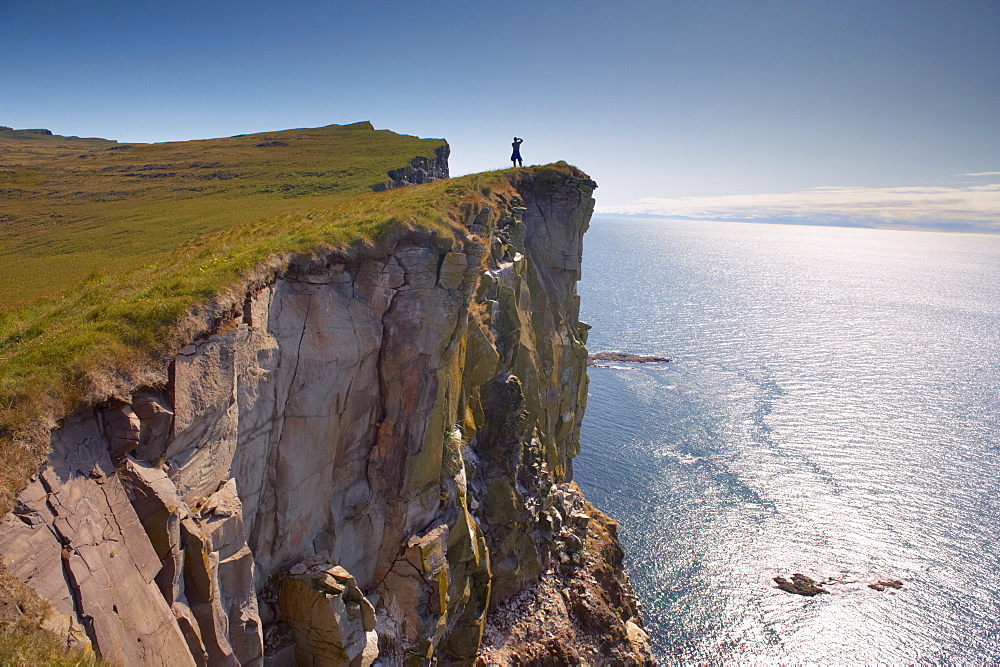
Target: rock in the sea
{"points": [[624, 358], [800, 585]]}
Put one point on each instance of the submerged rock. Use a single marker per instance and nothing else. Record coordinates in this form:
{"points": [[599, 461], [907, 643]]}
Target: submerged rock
{"points": [[886, 583]]}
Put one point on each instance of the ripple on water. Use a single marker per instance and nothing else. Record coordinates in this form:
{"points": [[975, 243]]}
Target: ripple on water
{"points": [[832, 409]]}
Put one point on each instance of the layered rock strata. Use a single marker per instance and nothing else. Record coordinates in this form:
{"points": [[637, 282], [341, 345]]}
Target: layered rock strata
{"points": [[358, 464]]}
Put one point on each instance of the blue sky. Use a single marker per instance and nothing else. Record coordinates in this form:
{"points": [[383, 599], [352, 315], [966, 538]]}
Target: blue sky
{"points": [[700, 108]]}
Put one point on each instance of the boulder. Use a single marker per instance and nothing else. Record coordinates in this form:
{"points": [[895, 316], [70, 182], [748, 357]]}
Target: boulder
{"points": [[331, 620], [121, 426]]}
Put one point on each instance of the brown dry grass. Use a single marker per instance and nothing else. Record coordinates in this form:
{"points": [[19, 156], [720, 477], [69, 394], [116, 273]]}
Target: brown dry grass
{"points": [[22, 641]]}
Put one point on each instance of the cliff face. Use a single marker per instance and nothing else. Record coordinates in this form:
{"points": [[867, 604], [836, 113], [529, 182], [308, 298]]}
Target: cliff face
{"points": [[363, 459]]}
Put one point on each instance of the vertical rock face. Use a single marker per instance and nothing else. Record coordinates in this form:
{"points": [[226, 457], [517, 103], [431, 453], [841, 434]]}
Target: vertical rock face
{"points": [[369, 458]]}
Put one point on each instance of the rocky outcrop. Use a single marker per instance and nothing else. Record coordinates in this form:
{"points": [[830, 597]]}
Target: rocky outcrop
{"points": [[581, 610], [369, 457], [329, 617], [420, 170], [75, 537]]}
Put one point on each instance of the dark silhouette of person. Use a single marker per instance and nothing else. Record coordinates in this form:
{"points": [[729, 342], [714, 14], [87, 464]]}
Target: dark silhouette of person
{"points": [[515, 157]]}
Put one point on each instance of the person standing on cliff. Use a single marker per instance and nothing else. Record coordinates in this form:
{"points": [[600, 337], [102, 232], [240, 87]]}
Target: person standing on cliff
{"points": [[515, 157]]}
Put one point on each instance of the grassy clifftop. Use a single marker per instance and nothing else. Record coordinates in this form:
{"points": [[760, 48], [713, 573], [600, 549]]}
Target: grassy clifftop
{"points": [[136, 268], [107, 251], [72, 206]]}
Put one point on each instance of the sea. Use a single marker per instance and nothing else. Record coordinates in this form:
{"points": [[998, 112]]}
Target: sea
{"points": [[831, 408]]}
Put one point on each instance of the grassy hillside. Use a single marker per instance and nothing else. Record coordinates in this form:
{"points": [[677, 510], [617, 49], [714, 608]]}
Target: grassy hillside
{"points": [[72, 206]]}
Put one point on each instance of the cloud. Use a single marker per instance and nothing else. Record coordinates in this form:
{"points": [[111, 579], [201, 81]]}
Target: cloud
{"points": [[972, 207], [981, 173]]}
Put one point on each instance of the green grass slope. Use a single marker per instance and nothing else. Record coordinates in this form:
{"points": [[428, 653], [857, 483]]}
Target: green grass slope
{"points": [[72, 206]]}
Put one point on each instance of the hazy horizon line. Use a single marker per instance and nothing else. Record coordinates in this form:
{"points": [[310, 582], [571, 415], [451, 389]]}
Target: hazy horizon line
{"points": [[966, 206]]}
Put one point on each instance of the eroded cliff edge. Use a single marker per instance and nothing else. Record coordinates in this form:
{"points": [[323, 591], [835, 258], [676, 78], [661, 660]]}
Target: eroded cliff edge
{"points": [[367, 455]]}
